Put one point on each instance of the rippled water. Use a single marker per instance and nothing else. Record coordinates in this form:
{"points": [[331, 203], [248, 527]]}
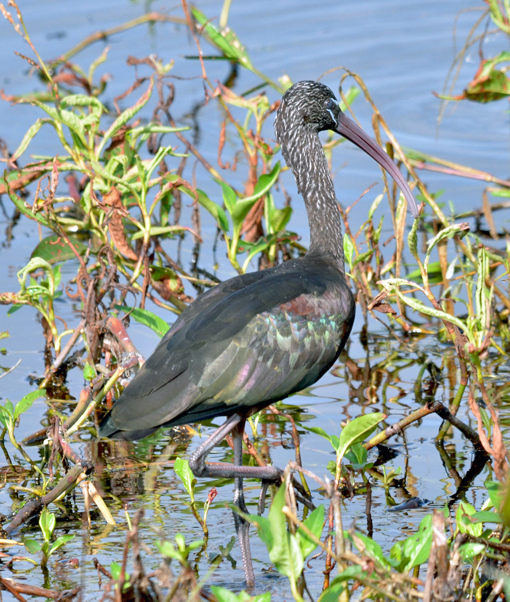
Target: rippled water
{"points": [[403, 51]]}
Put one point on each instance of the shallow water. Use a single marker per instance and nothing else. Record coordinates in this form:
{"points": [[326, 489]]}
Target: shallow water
{"points": [[403, 51]]}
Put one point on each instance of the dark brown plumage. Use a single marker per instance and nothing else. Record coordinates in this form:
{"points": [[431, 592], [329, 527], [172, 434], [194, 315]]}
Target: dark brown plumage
{"points": [[258, 338]]}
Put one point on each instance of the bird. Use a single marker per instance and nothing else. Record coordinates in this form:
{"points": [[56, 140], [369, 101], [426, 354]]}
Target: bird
{"points": [[259, 337]]}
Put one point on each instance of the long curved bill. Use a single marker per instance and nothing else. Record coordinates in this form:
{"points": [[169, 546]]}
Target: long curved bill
{"points": [[348, 129]]}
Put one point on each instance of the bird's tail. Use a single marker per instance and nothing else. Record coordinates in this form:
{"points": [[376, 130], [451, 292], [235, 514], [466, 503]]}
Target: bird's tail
{"points": [[108, 430]]}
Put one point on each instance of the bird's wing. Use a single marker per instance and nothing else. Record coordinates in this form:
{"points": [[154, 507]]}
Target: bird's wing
{"points": [[255, 343]]}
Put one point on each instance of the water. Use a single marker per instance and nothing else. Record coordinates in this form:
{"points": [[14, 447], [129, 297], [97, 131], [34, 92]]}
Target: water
{"points": [[403, 51]]}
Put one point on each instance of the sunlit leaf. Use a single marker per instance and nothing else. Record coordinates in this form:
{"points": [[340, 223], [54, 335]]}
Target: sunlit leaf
{"points": [[22, 205], [124, 117], [464, 524], [32, 546], [489, 83], [88, 372], [55, 248], [27, 138], [333, 439], [147, 318], [47, 523], [226, 41], [358, 430], [314, 523], [485, 516], [183, 470], [414, 550], [332, 593], [495, 491], [67, 118], [348, 250], [62, 540], [468, 551], [224, 595], [214, 209], [369, 547], [26, 402], [83, 100]]}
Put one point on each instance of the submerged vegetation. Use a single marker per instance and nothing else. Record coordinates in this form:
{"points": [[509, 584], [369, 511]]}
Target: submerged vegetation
{"points": [[109, 205]]}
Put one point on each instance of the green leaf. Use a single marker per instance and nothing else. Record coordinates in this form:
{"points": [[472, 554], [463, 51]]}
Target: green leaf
{"points": [[167, 549], [183, 470], [331, 466], [32, 546], [229, 196], [415, 550], [485, 516], [314, 523], [348, 250], [153, 128], [495, 491], [263, 527], [5, 419], [357, 456], [82, 100], [55, 248], [264, 183], [280, 218], [160, 155], [26, 402], [89, 372], [8, 409], [14, 308], [254, 249], [285, 552], [332, 593], [226, 41], [369, 547], [242, 206], [124, 117], [464, 524], [147, 318], [215, 210], [468, 551], [333, 439], [67, 118], [363, 257], [27, 138], [417, 305], [159, 230], [61, 541], [224, 595], [115, 569], [47, 523], [501, 192], [22, 205], [358, 430]]}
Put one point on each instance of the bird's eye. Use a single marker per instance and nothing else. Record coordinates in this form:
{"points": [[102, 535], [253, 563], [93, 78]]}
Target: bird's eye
{"points": [[332, 108]]}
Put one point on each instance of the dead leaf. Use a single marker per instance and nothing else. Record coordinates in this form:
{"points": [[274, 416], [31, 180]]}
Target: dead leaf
{"points": [[115, 225]]}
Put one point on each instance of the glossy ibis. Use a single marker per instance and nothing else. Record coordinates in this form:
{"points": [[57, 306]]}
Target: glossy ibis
{"points": [[257, 338]]}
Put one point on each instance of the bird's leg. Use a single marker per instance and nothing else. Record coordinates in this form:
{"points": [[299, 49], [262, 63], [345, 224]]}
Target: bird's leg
{"points": [[262, 498], [223, 470], [242, 525]]}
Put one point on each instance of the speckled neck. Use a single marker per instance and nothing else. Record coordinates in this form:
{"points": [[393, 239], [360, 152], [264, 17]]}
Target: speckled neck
{"points": [[304, 154]]}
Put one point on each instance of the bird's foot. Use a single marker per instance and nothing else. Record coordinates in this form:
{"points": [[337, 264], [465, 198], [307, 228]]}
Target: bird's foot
{"points": [[302, 495]]}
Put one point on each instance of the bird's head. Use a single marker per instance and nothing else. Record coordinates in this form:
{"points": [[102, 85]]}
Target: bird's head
{"points": [[312, 106], [309, 105]]}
